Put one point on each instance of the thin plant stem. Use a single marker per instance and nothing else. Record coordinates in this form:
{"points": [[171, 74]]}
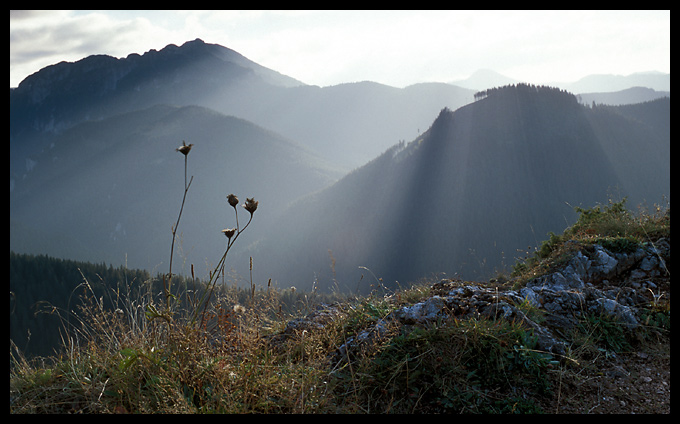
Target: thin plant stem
{"points": [[166, 289], [214, 275]]}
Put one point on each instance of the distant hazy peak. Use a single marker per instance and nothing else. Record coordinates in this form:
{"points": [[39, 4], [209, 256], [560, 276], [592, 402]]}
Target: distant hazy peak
{"points": [[273, 77], [483, 79]]}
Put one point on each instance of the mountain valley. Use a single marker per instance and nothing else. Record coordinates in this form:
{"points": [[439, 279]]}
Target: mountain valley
{"points": [[353, 186]]}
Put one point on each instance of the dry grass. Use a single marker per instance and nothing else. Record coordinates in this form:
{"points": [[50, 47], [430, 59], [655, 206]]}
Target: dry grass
{"points": [[126, 363], [208, 348], [121, 361]]}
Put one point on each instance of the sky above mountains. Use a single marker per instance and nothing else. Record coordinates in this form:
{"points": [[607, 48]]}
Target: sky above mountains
{"points": [[397, 48]]}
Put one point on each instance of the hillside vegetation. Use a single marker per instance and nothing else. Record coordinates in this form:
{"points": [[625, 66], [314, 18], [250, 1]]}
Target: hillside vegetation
{"points": [[283, 351], [581, 323]]}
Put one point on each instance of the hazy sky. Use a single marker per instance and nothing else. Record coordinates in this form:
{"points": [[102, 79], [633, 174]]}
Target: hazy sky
{"points": [[396, 48]]}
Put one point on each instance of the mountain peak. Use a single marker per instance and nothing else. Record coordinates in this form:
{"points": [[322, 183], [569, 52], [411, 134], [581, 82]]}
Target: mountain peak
{"points": [[196, 49], [61, 95], [227, 55], [468, 189], [192, 42], [483, 79]]}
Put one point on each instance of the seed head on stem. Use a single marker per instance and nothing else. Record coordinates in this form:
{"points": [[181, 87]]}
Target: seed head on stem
{"points": [[184, 148], [251, 205], [233, 200], [229, 232]]}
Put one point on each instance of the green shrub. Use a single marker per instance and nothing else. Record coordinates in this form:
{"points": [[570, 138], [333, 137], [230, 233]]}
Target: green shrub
{"points": [[627, 244], [454, 367], [612, 226], [605, 331]]}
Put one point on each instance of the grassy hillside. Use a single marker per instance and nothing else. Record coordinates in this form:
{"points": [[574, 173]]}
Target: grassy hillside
{"points": [[284, 351]]}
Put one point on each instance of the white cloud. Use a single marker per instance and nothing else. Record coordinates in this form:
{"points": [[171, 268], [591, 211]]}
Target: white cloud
{"points": [[39, 39], [391, 47]]}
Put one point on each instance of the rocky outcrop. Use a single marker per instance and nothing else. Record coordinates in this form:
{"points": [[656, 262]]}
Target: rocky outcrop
{"points": [[595, 280]]}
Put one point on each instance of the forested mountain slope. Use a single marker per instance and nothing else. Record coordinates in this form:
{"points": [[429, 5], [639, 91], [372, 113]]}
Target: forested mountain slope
{"points": [[484, 184], [111, 190]]}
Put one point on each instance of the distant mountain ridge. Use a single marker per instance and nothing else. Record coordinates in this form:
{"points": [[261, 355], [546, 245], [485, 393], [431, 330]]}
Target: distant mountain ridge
{"points": [[91, 88], [483, 79], [597, 83], [94, 175], [624, 97], [348, 123], [609, 83]]}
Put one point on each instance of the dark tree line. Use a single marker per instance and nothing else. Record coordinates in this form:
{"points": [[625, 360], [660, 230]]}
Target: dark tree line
{"points": [[46, 291], [521, 88], [43, 288]]}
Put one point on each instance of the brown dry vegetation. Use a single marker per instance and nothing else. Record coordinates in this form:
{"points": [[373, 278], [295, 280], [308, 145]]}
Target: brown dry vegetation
{"points": [[146, 358], [212, 348]]}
